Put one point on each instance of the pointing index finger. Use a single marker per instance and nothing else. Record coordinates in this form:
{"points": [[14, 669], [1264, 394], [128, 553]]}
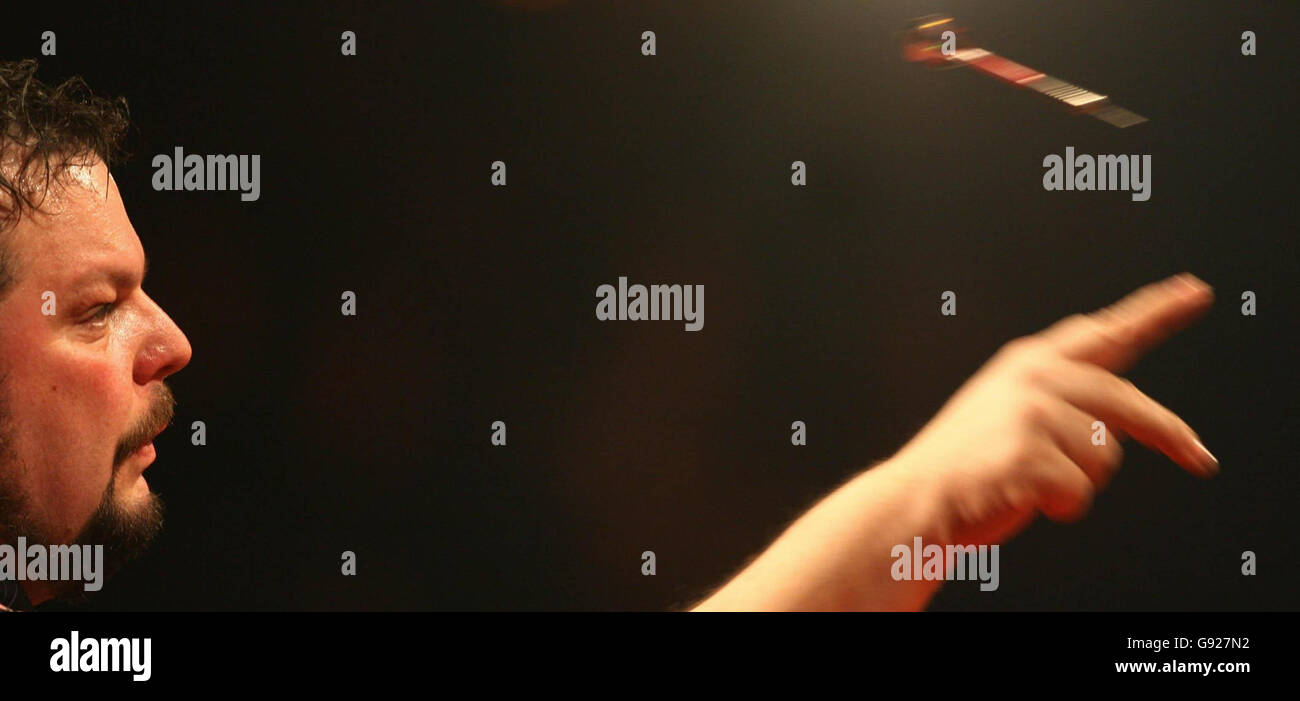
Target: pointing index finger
{"points": [[1116, 336]]}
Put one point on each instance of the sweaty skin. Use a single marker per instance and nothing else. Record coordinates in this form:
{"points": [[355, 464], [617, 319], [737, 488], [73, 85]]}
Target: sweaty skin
{"points": [[951, 485]]}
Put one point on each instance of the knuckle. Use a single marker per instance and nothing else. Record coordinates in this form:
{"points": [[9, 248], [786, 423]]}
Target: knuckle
{"points": [[1079, 509], [1081, 490], [1014, 452], [1032, 412], [1080, 323], [1113, 455], [1035, 458], [1123, 390], [1020, 453], [1033, 369], [1020, 343], [1022, 349], [1102, 468], [1073, 499], [1123, 384], [1079, 319]]}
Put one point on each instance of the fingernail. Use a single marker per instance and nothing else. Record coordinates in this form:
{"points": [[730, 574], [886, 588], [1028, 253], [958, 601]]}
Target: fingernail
{"points": [[1209, 463], [1192, 283]]}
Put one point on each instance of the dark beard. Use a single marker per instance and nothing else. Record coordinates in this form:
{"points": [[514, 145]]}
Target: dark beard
{"points": [[125, 534]]}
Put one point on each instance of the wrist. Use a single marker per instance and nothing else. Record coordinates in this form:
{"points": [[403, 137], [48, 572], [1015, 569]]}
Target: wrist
{"points": [[851, 537], [923, 498], [838, 556]]}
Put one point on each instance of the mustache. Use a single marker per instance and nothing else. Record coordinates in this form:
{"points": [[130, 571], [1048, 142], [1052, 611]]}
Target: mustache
{"points": [[155, 419]]}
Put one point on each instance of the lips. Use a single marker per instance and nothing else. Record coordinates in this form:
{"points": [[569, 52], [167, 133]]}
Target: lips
{"points": [[139, 440], [147, 449], [146, 452]]}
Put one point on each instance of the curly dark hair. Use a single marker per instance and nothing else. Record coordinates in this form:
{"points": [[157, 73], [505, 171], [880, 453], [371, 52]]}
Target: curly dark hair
{"points": [[43, 130]]}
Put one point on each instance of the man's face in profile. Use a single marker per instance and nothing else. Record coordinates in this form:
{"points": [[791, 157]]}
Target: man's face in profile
{"points": [[81, 390]]}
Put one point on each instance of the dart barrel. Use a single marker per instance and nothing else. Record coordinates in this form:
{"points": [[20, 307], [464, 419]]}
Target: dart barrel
{"points": [[923, 39]]}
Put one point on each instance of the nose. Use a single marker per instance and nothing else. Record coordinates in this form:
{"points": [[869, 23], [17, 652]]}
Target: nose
{"points": [[165, 350]]}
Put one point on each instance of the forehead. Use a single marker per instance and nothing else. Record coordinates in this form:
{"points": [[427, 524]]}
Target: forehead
{"points": [[81, 226]]}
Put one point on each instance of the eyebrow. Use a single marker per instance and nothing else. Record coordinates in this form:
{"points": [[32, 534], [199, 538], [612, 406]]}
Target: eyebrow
{"points": [[117, 276]]}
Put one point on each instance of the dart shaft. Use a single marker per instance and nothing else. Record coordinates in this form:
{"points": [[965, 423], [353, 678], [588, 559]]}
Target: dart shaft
{"points": [[1078, 98]]}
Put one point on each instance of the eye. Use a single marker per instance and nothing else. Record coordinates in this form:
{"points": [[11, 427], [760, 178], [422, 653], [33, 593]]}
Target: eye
{"points": [[100, 315]]}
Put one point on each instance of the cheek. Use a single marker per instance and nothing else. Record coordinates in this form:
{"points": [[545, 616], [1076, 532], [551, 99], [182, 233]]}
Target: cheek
{"points": [[91, 397], [69, 410]]}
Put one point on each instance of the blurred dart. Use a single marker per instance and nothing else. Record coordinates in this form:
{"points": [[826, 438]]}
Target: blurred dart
{"points": [[924, 42]]}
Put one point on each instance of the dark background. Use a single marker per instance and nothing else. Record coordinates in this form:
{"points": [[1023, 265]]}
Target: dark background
{"points": [[371, 433]]}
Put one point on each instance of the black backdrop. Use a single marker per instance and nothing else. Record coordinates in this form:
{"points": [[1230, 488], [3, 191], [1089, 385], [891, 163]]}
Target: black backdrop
{"points": [[328, 433]]}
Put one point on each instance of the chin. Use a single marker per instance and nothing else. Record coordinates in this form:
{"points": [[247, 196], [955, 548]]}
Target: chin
{"points": [[135, 495]]}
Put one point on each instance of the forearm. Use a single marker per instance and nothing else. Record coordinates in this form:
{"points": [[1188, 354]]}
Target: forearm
{"points": [[837, 555]]}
